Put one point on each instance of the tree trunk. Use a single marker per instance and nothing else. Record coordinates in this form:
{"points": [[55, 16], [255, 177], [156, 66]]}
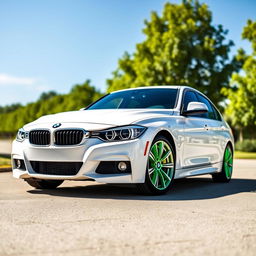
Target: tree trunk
{"points": [[241, 137]]}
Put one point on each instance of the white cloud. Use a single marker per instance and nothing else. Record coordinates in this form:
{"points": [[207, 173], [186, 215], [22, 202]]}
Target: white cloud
{"points": [[6, 79], [13, 85]]}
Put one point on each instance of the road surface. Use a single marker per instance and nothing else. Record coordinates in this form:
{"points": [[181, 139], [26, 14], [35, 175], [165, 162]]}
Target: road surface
{"points": [[197, 217], [5, 146]]}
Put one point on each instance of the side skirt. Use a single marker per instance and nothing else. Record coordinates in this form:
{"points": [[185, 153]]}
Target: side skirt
{"points": [[198, 170]]}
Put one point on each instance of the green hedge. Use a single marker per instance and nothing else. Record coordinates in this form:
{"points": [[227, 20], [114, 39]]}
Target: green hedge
{"points": [[246, 145], [81, 95]]}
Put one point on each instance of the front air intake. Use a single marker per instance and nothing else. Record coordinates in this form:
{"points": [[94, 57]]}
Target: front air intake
{"points": [[39, 137], [56, 168], [68, 137]]}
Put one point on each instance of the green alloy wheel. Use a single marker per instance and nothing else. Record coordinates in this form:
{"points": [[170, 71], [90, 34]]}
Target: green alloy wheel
{"points": [[161, 167], [227, 167]]}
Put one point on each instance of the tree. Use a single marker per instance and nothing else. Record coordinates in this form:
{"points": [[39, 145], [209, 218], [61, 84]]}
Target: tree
{"points": [[242, 96], [80, 96], [9, 108], [181, 47], [47, 95]]}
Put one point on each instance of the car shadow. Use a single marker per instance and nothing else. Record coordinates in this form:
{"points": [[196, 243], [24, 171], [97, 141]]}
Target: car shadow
{"points": [[183, 189]]}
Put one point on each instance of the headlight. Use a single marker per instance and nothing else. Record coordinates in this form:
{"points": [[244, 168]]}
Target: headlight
{"points": [[119, 133], [21, 135]]}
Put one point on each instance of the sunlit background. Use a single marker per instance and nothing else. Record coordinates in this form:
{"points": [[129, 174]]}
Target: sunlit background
{"points": [[52, 45]]}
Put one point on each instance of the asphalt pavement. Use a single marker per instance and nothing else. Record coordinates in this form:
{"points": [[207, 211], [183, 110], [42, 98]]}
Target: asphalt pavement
{"points": [[5, 147], [197, 217]]}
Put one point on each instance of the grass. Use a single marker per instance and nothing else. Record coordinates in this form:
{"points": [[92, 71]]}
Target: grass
{"points": [[5, 162], [245, 155]]}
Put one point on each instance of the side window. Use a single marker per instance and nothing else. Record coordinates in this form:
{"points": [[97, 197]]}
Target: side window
{"points": [[217, 114], [210, 114], [189, 97]]}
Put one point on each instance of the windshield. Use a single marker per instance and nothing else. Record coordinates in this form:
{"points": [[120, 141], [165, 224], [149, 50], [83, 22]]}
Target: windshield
{"points": [[160, 98]]}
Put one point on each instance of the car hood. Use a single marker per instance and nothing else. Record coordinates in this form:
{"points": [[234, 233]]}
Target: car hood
{"points": [[99, 119]]}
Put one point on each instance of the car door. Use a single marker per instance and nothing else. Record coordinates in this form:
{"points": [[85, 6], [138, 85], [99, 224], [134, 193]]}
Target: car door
{"points": [[215, 129], [197, 137]]}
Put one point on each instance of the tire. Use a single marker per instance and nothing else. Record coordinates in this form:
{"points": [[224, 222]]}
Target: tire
{"points": [[227, 167], [44, 184], [160, 168]]}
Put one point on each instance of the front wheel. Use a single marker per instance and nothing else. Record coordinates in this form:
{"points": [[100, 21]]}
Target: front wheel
{"points": [[44, 184], [160, 168], [227, 167]]}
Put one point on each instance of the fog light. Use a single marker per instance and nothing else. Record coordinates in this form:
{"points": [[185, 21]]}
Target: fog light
{"points": [[122, 166], [18, 164]]}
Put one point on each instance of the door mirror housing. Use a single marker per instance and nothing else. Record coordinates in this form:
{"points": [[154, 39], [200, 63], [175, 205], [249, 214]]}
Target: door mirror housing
{"points": [[195, 108]]}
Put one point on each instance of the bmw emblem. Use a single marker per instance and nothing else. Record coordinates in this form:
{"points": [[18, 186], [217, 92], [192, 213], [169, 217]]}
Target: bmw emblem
{"points": [[56, 125]]}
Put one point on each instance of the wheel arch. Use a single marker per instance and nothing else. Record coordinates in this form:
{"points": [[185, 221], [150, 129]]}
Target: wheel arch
{"points": [[229, 143], [168, 136]]}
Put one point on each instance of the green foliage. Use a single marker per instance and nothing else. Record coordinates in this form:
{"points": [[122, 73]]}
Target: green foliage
{"points": [[9, 108], [246, 145], [47, 95], [49, 103], [242, 96], [181, 47]]}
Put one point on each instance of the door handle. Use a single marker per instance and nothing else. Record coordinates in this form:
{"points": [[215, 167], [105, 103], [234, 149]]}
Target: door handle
{"points": [[222, 127]]}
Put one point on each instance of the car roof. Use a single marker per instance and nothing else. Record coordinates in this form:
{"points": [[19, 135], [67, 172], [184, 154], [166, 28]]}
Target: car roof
{"points": [[156, 87]]}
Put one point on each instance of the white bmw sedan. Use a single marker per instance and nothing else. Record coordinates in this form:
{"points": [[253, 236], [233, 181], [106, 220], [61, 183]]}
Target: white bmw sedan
{"points": [[146, 136]]}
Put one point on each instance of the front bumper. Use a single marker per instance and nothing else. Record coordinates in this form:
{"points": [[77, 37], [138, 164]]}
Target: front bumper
{"points": [[90, 153]]}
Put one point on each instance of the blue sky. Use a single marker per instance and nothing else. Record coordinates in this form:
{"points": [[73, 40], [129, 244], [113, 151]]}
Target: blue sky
{"points": [[52, 45]]}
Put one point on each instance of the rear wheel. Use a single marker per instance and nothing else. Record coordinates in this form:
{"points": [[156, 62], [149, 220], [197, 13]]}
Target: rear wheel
{"points": [[160, 168], [227, 167], [44, 184]]}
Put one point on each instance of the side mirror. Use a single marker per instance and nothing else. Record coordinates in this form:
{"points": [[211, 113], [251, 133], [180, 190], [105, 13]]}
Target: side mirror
{"points": [[195, 108]]}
